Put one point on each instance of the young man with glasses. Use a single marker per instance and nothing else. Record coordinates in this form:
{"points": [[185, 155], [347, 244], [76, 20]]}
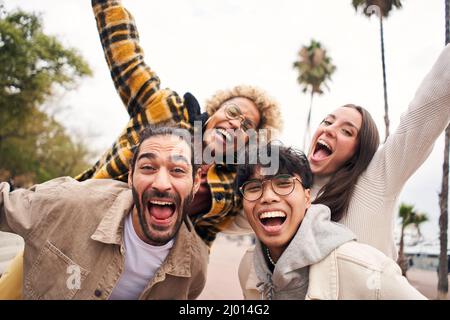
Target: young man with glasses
{"points": [[301, 254]]}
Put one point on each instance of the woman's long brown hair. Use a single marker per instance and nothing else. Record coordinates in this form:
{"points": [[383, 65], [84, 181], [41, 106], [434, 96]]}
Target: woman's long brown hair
{"points": [[337, 193]]}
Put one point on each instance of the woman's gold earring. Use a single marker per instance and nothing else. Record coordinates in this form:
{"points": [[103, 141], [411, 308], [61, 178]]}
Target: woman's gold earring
{"points": [[206, 122]]}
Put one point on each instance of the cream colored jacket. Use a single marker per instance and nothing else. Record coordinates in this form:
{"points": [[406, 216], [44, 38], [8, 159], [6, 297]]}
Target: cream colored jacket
{"points": [[353, 271]]}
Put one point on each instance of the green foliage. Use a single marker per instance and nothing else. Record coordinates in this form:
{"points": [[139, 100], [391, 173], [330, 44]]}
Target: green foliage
{"points": [[32, 66], [385, 6], [31, 63], [410, 217], [314, 68]]}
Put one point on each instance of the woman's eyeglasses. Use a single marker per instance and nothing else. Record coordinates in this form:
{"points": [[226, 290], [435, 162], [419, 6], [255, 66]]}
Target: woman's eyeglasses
{"points": [[282, 184], [232, 112]]}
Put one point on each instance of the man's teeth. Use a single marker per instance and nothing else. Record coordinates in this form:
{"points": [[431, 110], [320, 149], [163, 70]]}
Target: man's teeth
{"points": [[225, 133], [323, 143], [161, 203], [272, 214]]}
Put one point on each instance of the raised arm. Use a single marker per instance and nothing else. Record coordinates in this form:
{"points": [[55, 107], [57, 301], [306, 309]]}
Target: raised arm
{"points": [[137, 85], [426, 118]]}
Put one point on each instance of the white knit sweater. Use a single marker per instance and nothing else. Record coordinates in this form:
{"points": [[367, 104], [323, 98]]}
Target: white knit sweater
{"points": [[371, 213]]}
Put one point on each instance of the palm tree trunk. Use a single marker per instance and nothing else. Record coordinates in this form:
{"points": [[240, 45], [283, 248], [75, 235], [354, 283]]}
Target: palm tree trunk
{"points": [[443, 196], [386, 109], [307, 136], [401, 256], [447, 22], [443, 223]]}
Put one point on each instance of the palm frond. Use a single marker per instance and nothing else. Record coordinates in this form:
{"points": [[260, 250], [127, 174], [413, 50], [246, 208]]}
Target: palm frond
{"points": [[314, 67]]}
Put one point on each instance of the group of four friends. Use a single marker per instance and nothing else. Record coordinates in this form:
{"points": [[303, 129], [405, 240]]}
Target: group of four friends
{"points": [[140, 223]]}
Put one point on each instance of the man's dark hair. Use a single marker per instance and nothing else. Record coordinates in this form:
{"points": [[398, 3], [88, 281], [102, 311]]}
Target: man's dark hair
{"points": [[164, 130], [291, 161]]}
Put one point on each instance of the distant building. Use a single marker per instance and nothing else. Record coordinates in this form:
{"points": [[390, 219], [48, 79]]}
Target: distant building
{"points": [[425, 255]]}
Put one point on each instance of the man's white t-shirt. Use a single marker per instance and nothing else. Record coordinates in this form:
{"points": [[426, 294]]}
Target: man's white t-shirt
{"points": [[141, 263]]}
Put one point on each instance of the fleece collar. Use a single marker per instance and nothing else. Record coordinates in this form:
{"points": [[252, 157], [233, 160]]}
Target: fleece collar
{"points": [[316, 238]]}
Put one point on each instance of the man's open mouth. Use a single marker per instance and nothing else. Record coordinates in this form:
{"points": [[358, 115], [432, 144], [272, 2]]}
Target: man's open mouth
{"points": [[322, 150], [161, 210], [272, 221]]}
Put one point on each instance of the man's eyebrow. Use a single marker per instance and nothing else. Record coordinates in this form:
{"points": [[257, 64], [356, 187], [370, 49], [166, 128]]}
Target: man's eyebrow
{"points": [[148, 155], [179, 157]]}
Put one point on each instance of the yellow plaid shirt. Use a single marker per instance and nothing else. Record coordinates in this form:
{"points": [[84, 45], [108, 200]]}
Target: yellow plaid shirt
{"points": [[139, 89]]}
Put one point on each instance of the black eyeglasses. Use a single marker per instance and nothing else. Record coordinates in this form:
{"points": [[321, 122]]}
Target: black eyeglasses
{"points": [[232, 112], [282, 184]]}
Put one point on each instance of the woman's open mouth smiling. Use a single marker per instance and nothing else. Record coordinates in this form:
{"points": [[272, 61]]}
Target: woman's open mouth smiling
{"points": [[321, 151], [224, 135]]}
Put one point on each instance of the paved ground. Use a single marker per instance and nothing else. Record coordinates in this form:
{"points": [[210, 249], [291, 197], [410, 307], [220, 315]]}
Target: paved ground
{"points": [[222, 282], [425, 282]]}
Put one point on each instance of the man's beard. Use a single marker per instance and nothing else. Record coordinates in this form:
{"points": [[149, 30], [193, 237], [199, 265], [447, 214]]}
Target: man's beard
{"points": [[180, 206]]}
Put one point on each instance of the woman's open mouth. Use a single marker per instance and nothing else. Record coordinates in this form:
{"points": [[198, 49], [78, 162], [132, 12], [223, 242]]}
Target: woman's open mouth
{"points": [[161, 211], [321, 151], [224, 135], [272, 221]]}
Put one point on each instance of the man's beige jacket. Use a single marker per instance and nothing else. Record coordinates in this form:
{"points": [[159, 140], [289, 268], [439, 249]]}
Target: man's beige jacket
{"points": [[74, 249]]}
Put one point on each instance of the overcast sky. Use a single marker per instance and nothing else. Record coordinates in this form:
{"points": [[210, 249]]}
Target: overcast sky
{"points": [[201, 46]]}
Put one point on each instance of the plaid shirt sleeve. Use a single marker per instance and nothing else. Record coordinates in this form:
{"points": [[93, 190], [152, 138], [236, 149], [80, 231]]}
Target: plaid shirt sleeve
{"points": [[137, 85]]}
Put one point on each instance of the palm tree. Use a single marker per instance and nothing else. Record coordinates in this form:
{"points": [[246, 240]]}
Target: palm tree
{"points": [[314, 69], [409, 217], [2, 9], [382, 8], [443, 196]]}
